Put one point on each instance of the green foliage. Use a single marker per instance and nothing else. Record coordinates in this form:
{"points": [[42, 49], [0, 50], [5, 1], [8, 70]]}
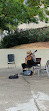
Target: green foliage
{"points": [[45, 2], [9, 10], [24, 37], [35, 10], [41, 14], [9, 41], [33, 2], [46, 19], [15, 9], [47, 12], [34, 19], [3, 24]]}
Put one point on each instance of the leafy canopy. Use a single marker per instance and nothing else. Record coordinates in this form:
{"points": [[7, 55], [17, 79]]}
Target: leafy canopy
{"points": [[13, 12]]}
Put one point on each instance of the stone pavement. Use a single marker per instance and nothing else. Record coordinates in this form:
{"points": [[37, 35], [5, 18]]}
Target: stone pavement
{"points": [[27, 93]]}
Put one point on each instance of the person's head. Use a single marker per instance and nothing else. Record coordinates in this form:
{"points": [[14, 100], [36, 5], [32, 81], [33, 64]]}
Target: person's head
{"points": [[29, 52]]}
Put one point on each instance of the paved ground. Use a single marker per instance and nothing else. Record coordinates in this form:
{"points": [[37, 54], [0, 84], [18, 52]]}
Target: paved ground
{"points": [[27, 93]]}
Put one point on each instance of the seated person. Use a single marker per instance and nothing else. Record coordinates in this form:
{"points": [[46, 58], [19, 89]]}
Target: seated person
{"points": [[30, 60]]}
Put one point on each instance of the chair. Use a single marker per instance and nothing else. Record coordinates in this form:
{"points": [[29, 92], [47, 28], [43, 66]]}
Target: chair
{"points": [[47, 67], [38, 61], [11, 59], [38, 66]]}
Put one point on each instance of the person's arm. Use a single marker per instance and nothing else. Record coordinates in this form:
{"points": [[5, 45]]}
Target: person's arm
{"points": [[32, 56], [26, 60]]}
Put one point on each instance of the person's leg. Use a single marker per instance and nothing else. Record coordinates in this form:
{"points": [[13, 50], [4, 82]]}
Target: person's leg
{"points": [[24, 66], [31, 63]]}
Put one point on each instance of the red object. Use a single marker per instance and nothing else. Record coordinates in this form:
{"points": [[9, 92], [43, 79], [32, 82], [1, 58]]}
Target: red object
{"points": [[38, 60]]}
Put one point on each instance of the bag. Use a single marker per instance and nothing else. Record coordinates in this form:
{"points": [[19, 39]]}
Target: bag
{"points": [[28, 72], [13, 76]]}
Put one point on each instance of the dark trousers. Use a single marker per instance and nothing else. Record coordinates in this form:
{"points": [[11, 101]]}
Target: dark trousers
{"points": [[29, 64]]}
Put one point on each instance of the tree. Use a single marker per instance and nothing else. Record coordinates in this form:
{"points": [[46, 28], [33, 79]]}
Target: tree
{"points": [[39, 7], [46, 2], [33, 2], [37, 2], [13, 12], [9, 11]]}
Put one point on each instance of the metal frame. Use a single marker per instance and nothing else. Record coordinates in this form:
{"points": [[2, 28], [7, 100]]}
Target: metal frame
{"points": [[47, 67], [11, 59], [38, 66]]}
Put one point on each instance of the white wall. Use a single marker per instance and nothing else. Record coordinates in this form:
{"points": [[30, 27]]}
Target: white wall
{"points": [[32, 25], [20, 56]]}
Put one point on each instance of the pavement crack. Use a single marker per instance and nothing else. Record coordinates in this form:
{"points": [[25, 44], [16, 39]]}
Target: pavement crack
{"points": [[36, 104], [26, 80]]}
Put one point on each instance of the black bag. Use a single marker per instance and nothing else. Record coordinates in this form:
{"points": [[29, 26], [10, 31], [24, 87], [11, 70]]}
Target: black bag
{"points": [[13, 76]]}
